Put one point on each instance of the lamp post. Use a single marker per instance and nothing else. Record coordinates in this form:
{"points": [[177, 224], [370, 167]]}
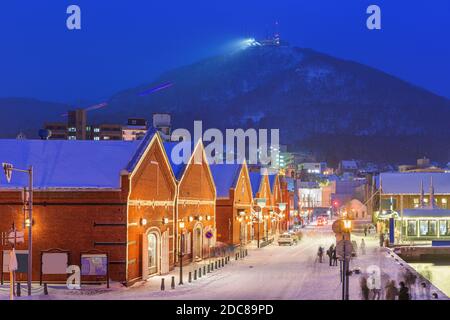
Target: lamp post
{"points": [[8, 169], [261, 203], [181, 227], [347, 227]]}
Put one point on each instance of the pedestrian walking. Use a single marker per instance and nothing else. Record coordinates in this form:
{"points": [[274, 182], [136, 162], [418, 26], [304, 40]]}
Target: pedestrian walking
{"points": [[365, 231], [330, 253], [320, 254], [335, 259], [364, 288], [381, 239], [403, 293], [391, 290], [363, 246]]}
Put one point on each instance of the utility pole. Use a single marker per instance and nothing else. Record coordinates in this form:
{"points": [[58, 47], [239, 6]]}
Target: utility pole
{"points": [[8, 169]]}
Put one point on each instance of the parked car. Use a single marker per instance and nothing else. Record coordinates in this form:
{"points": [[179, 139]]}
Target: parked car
{"points": [[285, 239], [321, 221]]}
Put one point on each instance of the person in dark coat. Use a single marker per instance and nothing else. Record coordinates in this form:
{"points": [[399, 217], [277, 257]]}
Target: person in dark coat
{"points": [[364, 288], [403, 293], [391, 290], [381, 239], [330, 253], [334, 257]]}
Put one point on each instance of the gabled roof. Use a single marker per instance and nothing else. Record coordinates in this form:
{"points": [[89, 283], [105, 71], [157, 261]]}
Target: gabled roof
{"points": [[69, 164], [225, 177], [255, 181], [179, 159], [409, 182]]}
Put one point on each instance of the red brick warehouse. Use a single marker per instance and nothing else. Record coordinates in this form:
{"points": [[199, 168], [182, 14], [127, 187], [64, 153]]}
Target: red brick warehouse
{"points": [[117, 197], [195, 201], [233, 204], [261, 190]]}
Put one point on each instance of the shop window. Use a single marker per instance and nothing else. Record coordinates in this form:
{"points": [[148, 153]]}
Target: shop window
{"points": [[416, 202], [412, 228], [423, 228], [444, 203], [432, 228], [428, 227], [443, 227]]}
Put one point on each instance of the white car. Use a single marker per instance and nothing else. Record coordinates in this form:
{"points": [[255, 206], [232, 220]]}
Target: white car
{"points": [[285, 239]]}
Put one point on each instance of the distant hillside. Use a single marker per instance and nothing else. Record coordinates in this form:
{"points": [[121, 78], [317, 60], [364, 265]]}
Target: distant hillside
{"points": [[336, 108], [27, 116]]}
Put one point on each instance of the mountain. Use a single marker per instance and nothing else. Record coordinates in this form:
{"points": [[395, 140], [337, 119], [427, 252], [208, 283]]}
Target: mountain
{"points": [[27, 116], [335, 108]]}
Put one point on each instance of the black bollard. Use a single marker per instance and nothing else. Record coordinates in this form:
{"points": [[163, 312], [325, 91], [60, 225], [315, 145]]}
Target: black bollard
{"points": [[190, 277], [18, 289], [163, 286], [204, 270], [200, 272], [209, 268], [236, 257], [173, 282], [223, 262], [226, 260], [215, 264], [212, 266], [45, 289], [195, 275]]}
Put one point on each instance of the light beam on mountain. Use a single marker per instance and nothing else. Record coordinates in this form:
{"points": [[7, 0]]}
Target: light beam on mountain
{"points": [[160, 87]]}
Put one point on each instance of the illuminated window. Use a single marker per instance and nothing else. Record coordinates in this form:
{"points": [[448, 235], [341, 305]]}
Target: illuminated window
{"points": [[72, 138], [96, 138], [412, 228], [416, 202], [444, 203]]}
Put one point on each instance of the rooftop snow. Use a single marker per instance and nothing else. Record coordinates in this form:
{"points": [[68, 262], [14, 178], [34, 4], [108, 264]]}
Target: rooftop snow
{"points": [[409, 182], [426, 213], [225, 177], [67, 163]]}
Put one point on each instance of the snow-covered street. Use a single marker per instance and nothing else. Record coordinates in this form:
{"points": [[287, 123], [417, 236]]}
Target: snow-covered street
{"points": [[273, 272]]}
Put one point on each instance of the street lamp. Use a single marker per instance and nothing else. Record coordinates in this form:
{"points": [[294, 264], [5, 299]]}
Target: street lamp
{"points": [[347, 228], [261, 203], [8, 169], [181, 227]]}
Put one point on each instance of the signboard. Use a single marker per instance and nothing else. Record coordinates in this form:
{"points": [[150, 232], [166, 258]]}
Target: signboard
{"points": [[344, 246], [55, 262], [22, 261], [209, 234], [94, 264]]}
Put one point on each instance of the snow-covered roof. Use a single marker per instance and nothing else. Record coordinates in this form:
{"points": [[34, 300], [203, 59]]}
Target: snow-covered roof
{"points": [[225, 177], [349, 164], [409, 182], [426, 213], [69, 163]]}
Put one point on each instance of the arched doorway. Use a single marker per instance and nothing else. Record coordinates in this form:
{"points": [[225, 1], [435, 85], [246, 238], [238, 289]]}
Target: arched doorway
{"points": [[152, 247], [197, 242], [151, 253]]}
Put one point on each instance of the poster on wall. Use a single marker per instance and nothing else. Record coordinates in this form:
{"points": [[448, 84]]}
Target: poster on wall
{"points": [[94, 264], [22, 261], [55, 262]]}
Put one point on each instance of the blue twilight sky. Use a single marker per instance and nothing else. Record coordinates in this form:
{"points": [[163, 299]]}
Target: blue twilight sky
{"points": [[125, 43]]}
